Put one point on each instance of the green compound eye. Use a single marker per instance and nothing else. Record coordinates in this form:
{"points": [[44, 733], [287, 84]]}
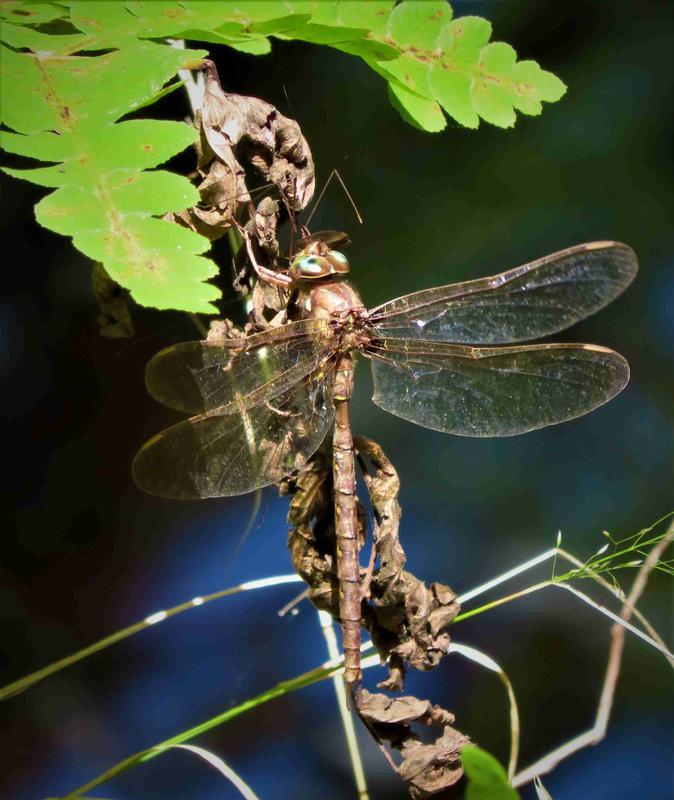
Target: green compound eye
{"points": [[339, 261], [312, 267]]}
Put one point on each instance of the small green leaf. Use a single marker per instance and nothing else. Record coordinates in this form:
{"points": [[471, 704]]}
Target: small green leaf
{"points": [[462, 40], [31, 13], [531, 84], [369, 50], [124, 194], [21, 36], [372, 15], [490, 90], [50, 177], [419, 22], [450, 80], [418, 111], [487, 780], [47, 145], [453, 91], [26, 105], [254, 47], [142, 143], [109, 23], [279, 25], [327, 34], [252, 11], [157, 261]]}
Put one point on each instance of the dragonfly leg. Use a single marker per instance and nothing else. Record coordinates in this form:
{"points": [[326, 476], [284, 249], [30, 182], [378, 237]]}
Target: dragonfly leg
{"points": [[264, 273], [346, 524], [367, 578]]}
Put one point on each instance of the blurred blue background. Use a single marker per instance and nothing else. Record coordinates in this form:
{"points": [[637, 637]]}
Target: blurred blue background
{"points": [[85, 553]]}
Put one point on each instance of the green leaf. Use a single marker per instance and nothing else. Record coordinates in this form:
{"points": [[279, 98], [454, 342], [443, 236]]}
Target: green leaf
{"points": [[461, 41], [22, 36], [109, 24], [23, 13], [279, 25], [327, 34], [157, 261], [103, 198], [450, 62], [368, 50], [63, 106], [489, 91], [372, 15], [531, 85], [254, 47], [47, 145], [418, 111], [487, 780], [50, 177], [419, 23]]}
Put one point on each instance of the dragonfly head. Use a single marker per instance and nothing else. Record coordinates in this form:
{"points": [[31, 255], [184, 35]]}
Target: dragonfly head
{"points": [[318, 261]]}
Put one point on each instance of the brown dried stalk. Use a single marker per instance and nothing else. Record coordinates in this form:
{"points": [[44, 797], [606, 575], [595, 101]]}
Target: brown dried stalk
{"points": [[598, 731]]}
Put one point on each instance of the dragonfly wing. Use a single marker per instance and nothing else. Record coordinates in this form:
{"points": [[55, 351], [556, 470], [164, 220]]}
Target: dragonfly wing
{"points": [[219, 455], [502, 391], [525, 303], [197, 377]]}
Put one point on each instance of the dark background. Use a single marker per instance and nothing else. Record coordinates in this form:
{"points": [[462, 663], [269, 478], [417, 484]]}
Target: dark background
{"points": [[85, 553]]}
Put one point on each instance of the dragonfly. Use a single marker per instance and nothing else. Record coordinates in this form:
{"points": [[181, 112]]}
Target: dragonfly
{"points": [[454, 359]]}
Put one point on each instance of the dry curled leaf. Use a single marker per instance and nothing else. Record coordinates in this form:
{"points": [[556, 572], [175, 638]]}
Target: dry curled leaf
{"points": [[242, 129], [241, 138], [427, 768], [221, 329], [405, 618], [115, 317]]}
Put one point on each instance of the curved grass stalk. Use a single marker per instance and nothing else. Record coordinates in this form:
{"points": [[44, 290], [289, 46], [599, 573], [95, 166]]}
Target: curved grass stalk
{"points": [[284, 687], [334, 666], [35, 677], [224, 769], [30, 680], [328, 630], [486, 661], [597, 732]]}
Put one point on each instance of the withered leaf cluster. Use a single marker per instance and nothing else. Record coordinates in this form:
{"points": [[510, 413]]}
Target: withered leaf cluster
{"points": [[242, 139], [406, 619], [426, 768]]}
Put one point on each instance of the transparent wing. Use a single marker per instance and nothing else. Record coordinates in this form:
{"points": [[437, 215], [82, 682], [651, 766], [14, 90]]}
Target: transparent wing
{"points": [[527, 302], [220, 455], [504, 391], [197, 377]]}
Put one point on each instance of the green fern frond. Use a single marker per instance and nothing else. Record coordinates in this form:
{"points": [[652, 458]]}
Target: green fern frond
{"points": [[65, 109], [63, 106]]}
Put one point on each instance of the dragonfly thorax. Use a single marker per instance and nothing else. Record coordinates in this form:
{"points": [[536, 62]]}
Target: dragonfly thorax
{"points": [[339, 305]]}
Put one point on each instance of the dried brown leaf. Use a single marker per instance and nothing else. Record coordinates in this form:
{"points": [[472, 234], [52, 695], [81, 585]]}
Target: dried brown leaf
{"points": [[427, 768], [115, 317]]}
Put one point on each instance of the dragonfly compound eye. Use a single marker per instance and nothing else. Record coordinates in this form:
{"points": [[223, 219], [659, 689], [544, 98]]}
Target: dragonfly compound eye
{"points": [[311, 267], [339, 261]]}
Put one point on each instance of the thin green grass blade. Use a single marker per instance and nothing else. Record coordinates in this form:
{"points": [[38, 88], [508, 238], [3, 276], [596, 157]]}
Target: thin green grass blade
{"points": [[35, 677]]}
